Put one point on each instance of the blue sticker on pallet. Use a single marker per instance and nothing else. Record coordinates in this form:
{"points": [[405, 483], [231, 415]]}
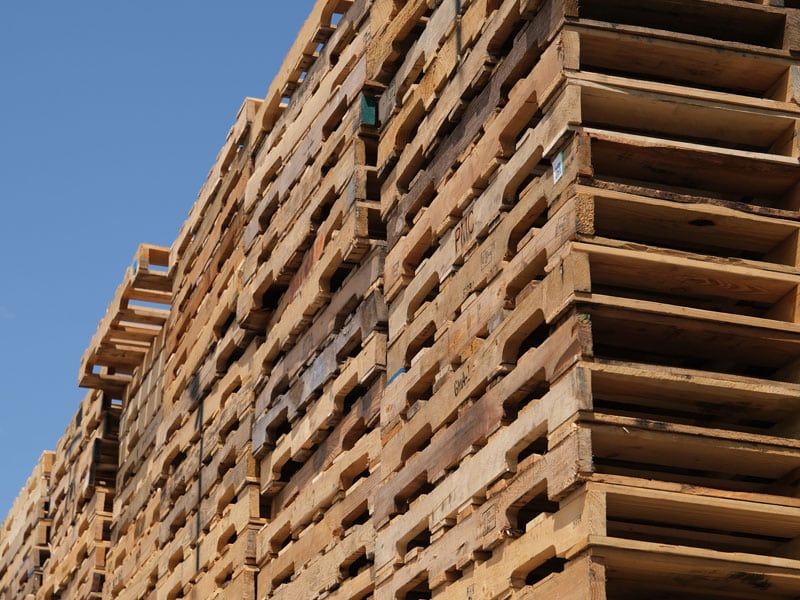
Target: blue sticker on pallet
{"points": [[396, 375]]}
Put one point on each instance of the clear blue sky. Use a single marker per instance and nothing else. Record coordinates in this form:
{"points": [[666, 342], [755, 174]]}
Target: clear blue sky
{"points": [[111, 115]]}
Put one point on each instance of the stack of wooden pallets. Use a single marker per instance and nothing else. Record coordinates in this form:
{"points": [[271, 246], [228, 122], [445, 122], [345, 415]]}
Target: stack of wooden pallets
{"points": [[25, 535], [122, 368], [134, 536], [209, 508], [489, 299], [83, 483], [189, 504], [312, 273], [592, 287]]}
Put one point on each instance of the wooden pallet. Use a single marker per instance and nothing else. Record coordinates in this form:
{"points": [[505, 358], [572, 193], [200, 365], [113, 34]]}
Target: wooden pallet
{"points": [[130, 325]]}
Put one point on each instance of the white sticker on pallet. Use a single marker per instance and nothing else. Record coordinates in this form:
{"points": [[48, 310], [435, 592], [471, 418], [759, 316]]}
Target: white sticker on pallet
{"points": [[558, 167]]}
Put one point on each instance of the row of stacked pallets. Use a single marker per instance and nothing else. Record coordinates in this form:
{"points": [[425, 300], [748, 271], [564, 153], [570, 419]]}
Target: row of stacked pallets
{"points": [[25, 535], [312, 282], [83, 485], [486, 299], [189, 506]]}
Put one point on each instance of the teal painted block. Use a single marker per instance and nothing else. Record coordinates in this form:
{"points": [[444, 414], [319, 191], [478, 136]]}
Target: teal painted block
{"points": [[369, 110]]}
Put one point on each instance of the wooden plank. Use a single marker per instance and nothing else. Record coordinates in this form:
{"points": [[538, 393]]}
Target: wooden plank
{"points": [[144, 281], [692, 396], [391, 34], [478, 529], [437, 214], [672, 58], [639, 567], [697, 227], [746, 26], [724, 459], [261, 231], [501, 346], [510, 563], [695, 169], [691, 282], [624, 104], [690, 337]]}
